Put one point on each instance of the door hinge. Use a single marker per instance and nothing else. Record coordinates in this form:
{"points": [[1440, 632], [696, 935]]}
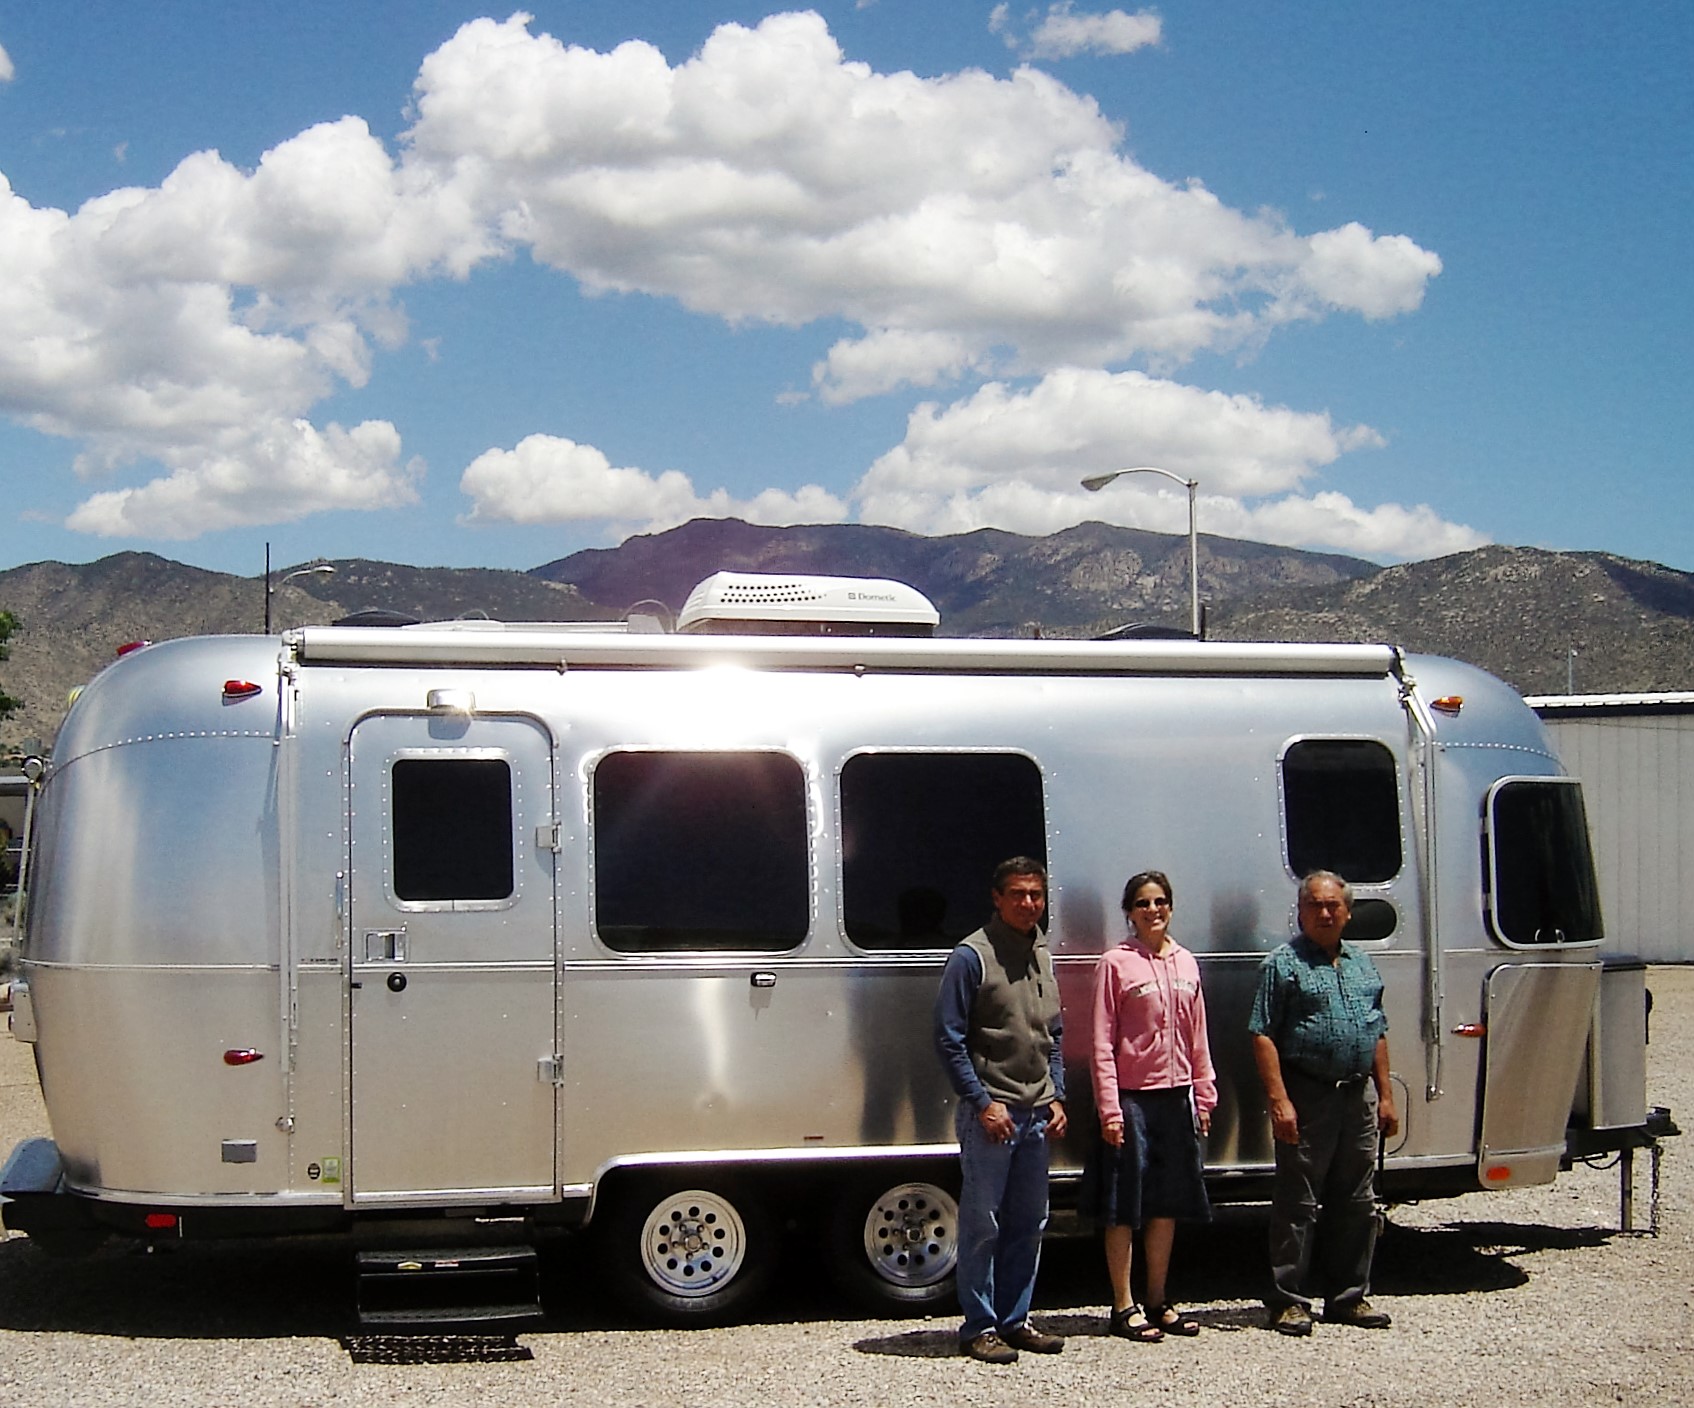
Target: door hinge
{"points": [[548, 838], [550, 1070]]}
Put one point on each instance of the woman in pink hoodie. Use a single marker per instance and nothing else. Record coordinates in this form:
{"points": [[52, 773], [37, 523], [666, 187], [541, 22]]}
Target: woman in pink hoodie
{"points": [[1155, 1089]]}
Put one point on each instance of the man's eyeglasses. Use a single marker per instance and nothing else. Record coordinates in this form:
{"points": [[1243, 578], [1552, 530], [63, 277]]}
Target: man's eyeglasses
{"points": [[1160, 903]]}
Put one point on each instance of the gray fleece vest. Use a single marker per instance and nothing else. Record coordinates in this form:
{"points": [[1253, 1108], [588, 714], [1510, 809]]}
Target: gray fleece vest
{"points": [[1013, 1015]]}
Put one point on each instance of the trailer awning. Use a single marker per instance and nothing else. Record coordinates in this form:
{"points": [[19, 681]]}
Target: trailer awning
{"points": [[492, 644]]}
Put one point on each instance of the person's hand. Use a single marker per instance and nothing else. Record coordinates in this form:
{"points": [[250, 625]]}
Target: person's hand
{"points": [[1387, 1117], [996, 1122], [1203, 1118], [1112, 1133], [1057, 1121], [1284, 1124]]}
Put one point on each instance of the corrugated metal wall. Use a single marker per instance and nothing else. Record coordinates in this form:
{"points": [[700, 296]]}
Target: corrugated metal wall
{"points": [[1638, 783]]}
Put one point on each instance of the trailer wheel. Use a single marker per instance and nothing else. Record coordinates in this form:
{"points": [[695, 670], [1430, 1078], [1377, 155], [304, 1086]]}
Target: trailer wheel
{"points": [[686, 1254], [895, 1248]]}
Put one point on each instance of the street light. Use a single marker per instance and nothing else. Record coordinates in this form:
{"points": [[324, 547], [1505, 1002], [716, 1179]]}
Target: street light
{"points": [[317, 569], [1096, 482]]}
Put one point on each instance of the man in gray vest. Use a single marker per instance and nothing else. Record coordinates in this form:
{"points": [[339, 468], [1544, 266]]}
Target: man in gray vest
{"points": [[997, 1029]]}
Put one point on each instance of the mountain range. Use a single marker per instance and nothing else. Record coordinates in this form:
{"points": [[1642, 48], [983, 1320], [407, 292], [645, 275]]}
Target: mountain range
{"points": [[1541, 620]]}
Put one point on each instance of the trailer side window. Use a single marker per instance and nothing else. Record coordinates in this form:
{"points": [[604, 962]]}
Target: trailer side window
{"points": [[1541, 885], [921, 834], [452, 829], [1342, 809], [700, 852]]}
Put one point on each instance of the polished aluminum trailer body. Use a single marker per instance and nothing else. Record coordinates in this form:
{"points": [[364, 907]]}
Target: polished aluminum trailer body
{"points": [[262, 998]]}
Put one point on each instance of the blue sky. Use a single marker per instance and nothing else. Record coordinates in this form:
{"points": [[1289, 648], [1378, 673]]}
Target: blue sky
{"points": [[448, 285]]}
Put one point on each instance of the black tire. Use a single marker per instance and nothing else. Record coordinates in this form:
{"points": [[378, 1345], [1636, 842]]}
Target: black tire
{"points": [[894, 1246], [691, 1250]]}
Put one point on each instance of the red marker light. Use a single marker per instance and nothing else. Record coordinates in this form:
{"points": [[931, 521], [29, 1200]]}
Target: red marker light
{"points": [[242, 1056], [129, 647], [159, 1221], [1498, 1174], [241, 689]]}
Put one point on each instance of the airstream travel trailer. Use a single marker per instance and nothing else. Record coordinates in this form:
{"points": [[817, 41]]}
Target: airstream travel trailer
{"points": [[479, 927]]}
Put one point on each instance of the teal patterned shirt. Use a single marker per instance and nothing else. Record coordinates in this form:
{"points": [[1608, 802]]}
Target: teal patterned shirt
{"points": [[1323, 1018]]}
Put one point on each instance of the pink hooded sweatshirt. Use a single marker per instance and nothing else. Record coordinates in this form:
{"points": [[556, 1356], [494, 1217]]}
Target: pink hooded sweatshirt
{"points": [[1149, 1025]]}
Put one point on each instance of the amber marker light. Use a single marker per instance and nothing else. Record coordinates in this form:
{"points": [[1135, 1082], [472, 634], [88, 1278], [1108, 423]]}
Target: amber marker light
{"points": [[1448, 704]]}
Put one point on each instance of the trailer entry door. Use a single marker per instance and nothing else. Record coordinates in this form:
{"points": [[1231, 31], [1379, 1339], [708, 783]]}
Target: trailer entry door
{"points": [[453, 960]]}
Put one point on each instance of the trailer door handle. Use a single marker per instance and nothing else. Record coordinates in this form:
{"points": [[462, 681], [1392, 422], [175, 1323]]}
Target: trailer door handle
{"points": [[764, 980], [385, 945]]}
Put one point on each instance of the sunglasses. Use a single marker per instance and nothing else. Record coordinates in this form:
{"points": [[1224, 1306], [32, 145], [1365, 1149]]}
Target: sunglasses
{"points": [[1160, 903]]}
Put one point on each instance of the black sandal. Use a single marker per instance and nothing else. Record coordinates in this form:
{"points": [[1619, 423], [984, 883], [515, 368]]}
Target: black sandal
{"points": [[1172, 1321], [1144, 1333]]}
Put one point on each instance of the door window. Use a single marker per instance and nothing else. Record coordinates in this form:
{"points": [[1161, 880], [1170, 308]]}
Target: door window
{"points": [[452, 828]]}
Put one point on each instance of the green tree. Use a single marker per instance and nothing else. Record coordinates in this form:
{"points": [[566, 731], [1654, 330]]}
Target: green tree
{"points": [[8, 624]]}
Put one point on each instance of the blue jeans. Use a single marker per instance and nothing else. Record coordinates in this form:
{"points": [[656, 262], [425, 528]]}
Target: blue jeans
{"points": [[1002, 1214]]}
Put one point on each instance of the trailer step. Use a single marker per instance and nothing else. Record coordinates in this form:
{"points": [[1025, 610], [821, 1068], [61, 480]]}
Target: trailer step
{"points": [[442, 1288]]}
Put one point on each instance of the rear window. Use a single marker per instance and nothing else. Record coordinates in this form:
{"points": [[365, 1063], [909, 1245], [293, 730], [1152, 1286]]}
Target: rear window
{"points": [[1341, 809], [1540, 871], [700, 852]]}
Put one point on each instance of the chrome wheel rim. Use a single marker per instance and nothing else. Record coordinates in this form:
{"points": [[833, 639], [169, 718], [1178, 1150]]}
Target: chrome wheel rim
{"points": [[912, 1235], [693, 1243]]}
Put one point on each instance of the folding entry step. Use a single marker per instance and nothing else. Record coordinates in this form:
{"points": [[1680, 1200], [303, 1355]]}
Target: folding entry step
{"points": [[448, 1288]]}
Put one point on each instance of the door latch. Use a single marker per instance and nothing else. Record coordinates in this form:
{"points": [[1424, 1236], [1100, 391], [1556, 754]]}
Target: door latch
{"points": [[385, 945]]}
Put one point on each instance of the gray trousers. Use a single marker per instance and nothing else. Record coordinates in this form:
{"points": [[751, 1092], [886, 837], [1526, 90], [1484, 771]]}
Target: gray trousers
{"points": [[1323, 1207]]}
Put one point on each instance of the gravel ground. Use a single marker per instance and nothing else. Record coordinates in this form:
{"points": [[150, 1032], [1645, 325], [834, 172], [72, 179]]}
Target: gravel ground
{"points": [[1530, 1296]]}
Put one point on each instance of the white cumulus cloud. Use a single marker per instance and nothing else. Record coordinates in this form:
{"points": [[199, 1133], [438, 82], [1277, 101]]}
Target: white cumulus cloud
{"points": [[959, 222], [275, 474], [960, 227], [550, 479], [1062, 33], [7, 71], [1014, 459]]}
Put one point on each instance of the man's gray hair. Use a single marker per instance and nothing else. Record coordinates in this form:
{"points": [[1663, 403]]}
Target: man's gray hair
{"points": [[1314, 876]]}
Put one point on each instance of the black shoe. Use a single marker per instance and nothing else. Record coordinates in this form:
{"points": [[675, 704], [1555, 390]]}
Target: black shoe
{"points": [[1290, 1319], [989, 1348], [1360, 1313], [1026, 1336]]}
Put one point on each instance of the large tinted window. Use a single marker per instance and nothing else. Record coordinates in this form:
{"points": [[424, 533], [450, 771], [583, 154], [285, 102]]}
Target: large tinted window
{"points": [[452, 829], [1541, 873], [700, 851], [921, 834], [1342, 809]]}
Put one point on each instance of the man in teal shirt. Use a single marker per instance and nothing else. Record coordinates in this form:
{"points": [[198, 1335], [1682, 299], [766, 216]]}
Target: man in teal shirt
{"points": [[1320, 1041]]}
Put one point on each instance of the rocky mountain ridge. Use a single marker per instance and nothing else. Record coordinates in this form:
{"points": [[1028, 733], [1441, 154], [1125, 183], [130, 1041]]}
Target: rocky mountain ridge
{"points": [[1538, 619]]}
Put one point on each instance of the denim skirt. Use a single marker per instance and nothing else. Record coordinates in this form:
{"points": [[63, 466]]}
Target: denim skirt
{"points": [[1156, 1171]]}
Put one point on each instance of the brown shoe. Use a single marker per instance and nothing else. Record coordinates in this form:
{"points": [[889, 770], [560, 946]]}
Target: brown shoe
{"points": [[1026, 1336], [1290, 1319], [990, 1349], [1359, 1313]]}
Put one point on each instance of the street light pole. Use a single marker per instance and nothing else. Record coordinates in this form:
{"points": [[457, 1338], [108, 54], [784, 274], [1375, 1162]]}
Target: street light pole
{"points": [[1096, 482], [317, 569]]}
